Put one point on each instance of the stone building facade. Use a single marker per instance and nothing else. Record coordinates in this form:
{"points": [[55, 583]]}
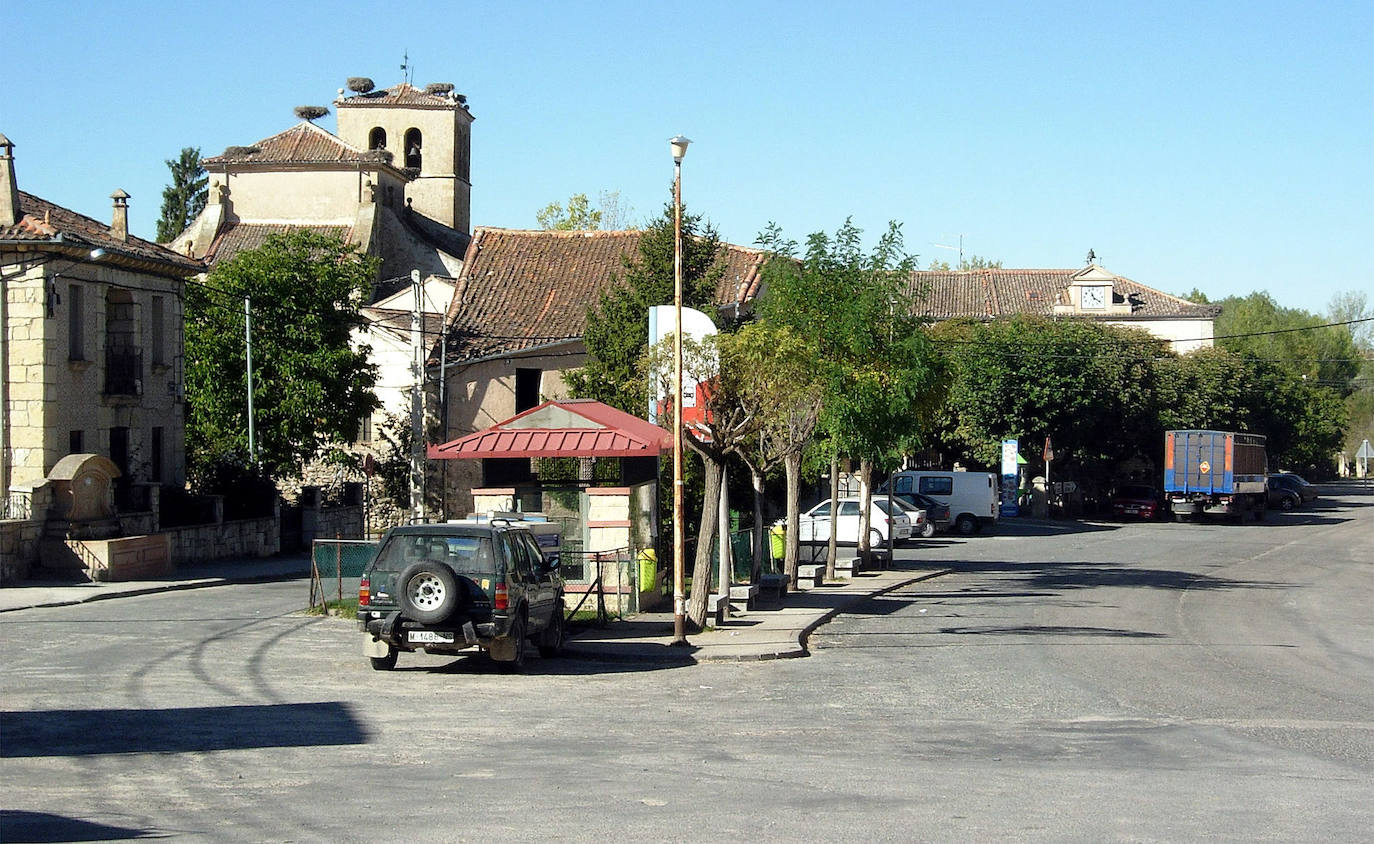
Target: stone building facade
{"points": [[92, 354]]}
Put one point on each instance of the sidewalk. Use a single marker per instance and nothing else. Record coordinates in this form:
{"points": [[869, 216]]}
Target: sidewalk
{"points": [[55, 593], [773, 630]]}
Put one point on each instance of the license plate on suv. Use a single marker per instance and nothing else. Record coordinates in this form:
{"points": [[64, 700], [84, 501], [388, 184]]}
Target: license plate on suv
{"points": [[429, 636]]}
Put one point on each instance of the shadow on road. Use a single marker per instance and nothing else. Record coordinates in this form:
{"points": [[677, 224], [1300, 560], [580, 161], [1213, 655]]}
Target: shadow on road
{"points": [[1086, 575], [94, 732], [1052, 630], [22, 827]]}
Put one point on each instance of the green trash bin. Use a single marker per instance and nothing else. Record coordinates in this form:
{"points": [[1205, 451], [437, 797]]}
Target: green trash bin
{"points": [[777, 540]]}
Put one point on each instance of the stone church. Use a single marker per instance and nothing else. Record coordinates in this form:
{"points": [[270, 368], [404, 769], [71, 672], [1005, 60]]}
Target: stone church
{"points": [[395, 181]]}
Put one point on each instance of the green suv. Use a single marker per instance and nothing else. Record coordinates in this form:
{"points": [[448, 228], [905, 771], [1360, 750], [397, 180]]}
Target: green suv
{"points": [[446, 588]]}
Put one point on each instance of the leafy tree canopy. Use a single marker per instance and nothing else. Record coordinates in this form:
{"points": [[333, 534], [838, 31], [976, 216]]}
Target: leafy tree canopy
{"points": [[579, 214], [184, 198], [973, 262], [880, 372], [310, 387], [1088, 386], [1295, 340]]}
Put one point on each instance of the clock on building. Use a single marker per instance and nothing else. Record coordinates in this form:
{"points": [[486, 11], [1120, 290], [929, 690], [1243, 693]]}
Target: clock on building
{"points": [[1094, 298]]}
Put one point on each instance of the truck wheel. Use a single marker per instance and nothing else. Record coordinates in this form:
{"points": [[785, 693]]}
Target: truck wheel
{"points": [[430, 591], [552, 640], [385, 663], [966, 525]]}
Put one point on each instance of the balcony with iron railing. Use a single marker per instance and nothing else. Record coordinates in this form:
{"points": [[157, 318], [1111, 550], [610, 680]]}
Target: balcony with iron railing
{"points": [[123, 372]]}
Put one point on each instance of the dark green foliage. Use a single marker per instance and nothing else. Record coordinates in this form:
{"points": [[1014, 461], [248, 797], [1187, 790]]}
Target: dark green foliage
{"points": [[617, 333], [1297, 341], [248, 491], [1088, 386], [310, 387], [184, 198]]}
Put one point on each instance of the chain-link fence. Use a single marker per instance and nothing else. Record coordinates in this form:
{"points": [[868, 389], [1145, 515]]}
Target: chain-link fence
{"points": [[336, 565]]}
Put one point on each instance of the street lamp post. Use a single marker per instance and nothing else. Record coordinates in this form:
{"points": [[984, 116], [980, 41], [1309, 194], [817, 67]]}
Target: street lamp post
{"points": [[679, 145]]}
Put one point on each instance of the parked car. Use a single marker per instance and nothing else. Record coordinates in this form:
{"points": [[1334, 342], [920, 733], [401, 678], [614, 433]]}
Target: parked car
{"points": [[816, 523], [937, 512], [919, 525], [452, 587], [1282, 496], [1140, 501], [1298, 484]]}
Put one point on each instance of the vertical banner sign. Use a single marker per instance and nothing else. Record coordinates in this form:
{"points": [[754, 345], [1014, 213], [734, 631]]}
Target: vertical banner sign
{"points": [[1009, 507]]}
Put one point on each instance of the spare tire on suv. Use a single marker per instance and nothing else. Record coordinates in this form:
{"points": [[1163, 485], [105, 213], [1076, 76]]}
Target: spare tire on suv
{"points": [[430, 591]]}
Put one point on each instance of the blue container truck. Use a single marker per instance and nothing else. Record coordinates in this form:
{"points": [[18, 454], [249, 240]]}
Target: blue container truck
{"points": [[1215, 473]]}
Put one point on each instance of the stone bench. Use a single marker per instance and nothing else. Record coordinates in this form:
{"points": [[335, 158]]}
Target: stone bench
{"points": [[811, 574], [847, 567], [773, 584], [745, 594]]}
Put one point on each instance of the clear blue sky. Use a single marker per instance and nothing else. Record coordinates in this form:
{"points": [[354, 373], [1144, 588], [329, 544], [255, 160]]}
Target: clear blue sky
{"points": [[1223, 146]]}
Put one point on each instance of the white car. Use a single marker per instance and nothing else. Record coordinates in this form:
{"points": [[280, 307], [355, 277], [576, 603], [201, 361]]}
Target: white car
{"points": [[816, 523]]}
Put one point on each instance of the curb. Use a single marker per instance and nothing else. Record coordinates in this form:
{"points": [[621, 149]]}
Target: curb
{"points": [[797, 652]]}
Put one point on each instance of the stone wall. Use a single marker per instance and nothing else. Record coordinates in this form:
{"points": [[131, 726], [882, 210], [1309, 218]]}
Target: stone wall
{"points": [[225, 540], [18, 549]]}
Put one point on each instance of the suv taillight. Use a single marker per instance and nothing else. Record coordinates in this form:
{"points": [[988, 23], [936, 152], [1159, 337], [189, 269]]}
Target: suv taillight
{"points": [[500, 597], [364, 592]]}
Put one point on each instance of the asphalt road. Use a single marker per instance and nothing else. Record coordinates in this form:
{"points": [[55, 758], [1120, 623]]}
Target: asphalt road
{"points": [[1156, 682]]}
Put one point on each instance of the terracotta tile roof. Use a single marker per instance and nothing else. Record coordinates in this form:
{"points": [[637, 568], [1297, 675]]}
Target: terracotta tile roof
{"points": [[304, 143], [399, 95], [985, 294], [234, 238], [46, 222], [521, 289]]}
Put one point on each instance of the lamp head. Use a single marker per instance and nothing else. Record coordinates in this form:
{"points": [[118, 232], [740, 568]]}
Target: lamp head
{"points": [[679, 145], [97, 254]]}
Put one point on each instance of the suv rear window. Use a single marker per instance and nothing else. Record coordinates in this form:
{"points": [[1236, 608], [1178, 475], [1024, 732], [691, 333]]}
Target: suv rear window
{"points": [[463, 554]]}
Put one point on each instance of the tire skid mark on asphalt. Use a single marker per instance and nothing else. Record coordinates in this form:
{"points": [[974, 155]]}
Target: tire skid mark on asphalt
{"points": [[137, 678], [197, 660], [259, 656]]}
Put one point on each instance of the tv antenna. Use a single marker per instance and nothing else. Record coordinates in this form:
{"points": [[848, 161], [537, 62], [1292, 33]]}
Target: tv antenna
{"points": [[959, 249]]}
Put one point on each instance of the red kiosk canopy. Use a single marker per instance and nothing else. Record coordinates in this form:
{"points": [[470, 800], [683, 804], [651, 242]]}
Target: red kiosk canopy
{"points": [[567, 428]]}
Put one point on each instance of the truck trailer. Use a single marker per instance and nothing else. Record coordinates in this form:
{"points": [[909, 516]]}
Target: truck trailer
{"points": [[1215, 473]]}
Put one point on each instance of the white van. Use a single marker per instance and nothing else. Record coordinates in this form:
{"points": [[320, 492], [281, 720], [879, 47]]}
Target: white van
{"points": [[972, 496]]}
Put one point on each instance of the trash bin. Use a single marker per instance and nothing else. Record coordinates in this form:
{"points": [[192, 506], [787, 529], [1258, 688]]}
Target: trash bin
{"points": [[777, 541], [648, 570]]}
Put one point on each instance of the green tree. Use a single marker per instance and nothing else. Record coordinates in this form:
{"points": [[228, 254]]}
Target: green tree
{"points": [[1300, 342], [310, 387], [1091, 388], [1353, 308], [881, 376], [578, 215], [973, 262], [184, 198]]}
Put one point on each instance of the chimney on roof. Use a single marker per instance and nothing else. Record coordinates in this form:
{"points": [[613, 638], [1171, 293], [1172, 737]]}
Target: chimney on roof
{"points": [[119, 227], [9, 189]]}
